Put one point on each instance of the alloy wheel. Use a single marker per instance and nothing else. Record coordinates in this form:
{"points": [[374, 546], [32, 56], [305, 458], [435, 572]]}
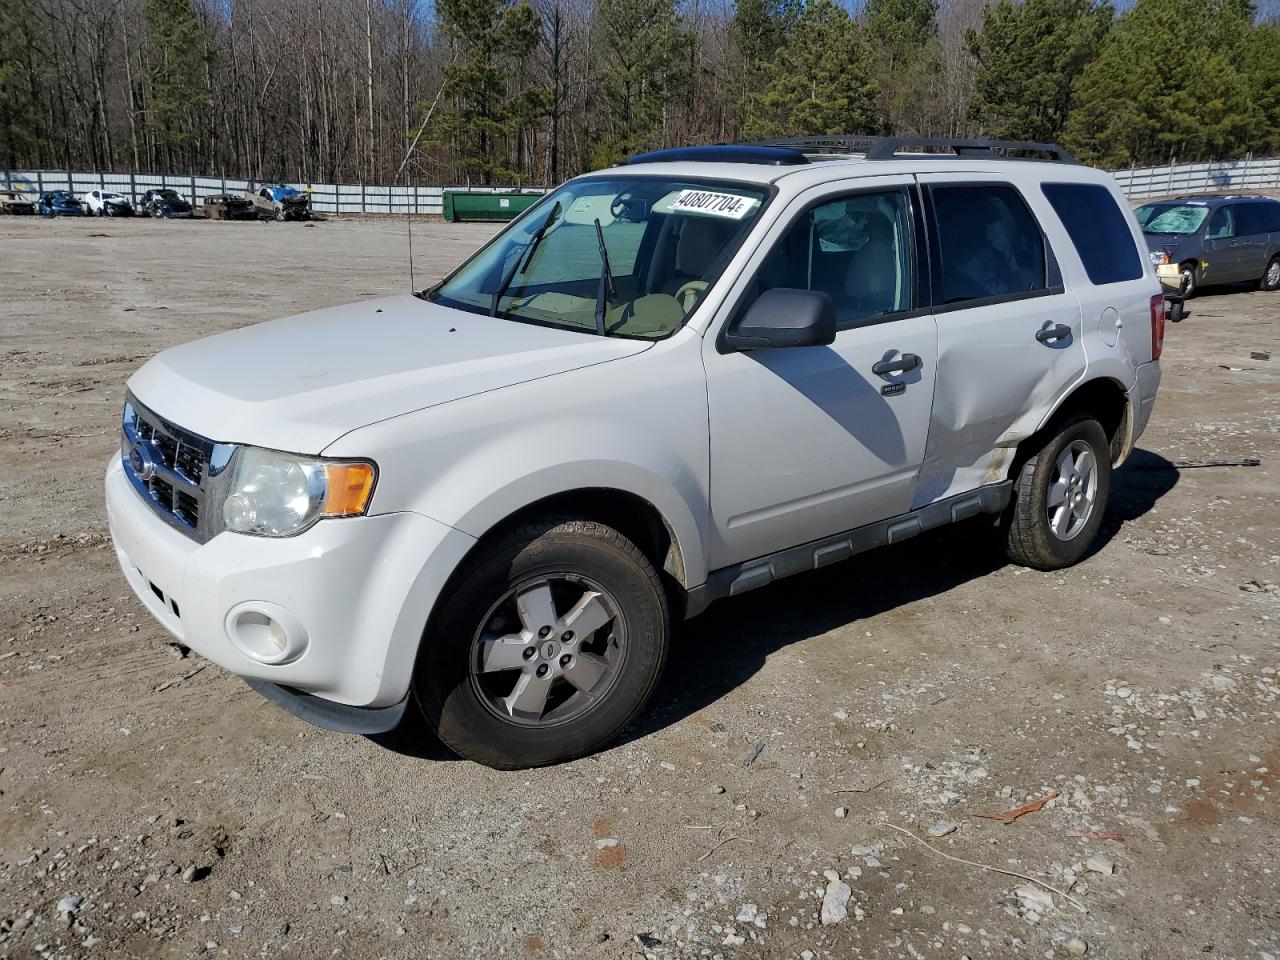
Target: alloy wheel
{"points": [[548, 651], [1073, 491]]}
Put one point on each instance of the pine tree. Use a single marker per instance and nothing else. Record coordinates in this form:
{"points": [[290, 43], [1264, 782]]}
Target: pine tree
{"points": [[819, 82], [1169, 82], [759, 30], [1029, 55], [176, 64], [20, 120], [641, 69], [903, 38], [489, 100]]}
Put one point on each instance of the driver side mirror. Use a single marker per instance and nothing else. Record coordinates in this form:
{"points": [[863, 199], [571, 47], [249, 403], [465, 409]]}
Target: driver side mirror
{"points": [[785, 317]]}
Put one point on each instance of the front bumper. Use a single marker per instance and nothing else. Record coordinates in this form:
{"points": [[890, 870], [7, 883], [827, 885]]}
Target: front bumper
{"points": [[359, 589]]}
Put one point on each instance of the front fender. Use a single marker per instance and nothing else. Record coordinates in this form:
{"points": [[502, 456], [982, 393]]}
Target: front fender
{"points": [[636, 424]]}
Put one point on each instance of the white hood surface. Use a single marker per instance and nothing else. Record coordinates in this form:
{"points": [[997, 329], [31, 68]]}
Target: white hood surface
{"points": [[299, 383]]}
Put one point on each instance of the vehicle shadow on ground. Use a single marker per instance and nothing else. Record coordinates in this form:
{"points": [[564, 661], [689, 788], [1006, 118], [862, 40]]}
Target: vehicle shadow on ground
{"points": [[719, 651]]}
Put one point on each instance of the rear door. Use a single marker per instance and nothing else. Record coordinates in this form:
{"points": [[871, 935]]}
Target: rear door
{"points": [[1252, 229], [1009, 333]]}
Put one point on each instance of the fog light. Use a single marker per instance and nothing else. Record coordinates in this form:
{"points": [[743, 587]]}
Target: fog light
{"points": [[266, 632]]}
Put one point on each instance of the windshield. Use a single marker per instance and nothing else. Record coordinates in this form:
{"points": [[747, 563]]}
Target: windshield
{"points": [[626, 256], [1171, 218]]}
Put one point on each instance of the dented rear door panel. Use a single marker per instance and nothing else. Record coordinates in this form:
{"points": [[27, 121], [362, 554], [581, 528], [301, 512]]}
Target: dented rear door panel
{"points": [[995, 380]]}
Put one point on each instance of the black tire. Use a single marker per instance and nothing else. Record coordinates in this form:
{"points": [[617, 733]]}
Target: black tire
{"points": [[449, 697], [1189, 274], [1175, 310], [1271, 276], [1029, 539]]}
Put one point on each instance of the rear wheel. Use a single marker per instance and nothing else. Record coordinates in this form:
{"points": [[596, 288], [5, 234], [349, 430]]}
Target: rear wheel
{"points": [[1271, 277], [550, 643], [1060, 496]]}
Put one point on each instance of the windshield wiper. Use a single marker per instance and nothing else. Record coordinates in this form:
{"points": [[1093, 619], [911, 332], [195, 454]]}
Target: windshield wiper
{"points": [[606, 288], [522, 261]]}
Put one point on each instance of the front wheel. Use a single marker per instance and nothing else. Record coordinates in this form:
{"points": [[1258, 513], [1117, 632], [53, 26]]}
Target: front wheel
{"points": [[1188, 276], [1271, 277], [550, 643], [1060, 496]]}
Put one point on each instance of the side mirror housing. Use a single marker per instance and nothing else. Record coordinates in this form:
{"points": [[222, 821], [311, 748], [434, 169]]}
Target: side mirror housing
{"points": [[785, 317]]}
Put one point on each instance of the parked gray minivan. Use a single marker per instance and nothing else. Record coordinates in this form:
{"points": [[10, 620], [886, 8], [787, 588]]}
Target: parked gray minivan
{"points": [[1215, 239]]}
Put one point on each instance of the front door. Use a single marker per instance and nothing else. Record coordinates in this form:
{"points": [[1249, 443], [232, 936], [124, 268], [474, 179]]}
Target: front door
{"points": [[811, 441]]}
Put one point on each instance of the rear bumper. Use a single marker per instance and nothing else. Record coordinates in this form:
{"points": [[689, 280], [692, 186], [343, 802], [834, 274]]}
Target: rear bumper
{"points": [[352, 595], [1142, 396]]}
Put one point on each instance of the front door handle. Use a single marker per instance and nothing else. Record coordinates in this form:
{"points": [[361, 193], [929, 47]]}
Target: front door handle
{"points": [[908, 361], [1059, 331]]}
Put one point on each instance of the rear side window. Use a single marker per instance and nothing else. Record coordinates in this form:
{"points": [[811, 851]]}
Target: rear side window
{"points": [[1253, 218], [1098, 229], [989, 244]]}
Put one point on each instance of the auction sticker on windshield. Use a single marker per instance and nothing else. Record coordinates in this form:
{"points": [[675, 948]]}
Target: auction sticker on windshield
{"points": [[729, 205]]}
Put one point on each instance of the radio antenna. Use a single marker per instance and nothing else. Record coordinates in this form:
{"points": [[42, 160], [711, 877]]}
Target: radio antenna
{"points": [[404, 162]]}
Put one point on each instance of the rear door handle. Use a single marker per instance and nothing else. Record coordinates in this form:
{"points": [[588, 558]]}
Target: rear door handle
{"points": [[1059, 331], [908, 361]]}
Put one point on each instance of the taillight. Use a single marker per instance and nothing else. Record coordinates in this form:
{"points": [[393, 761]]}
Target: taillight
{"points": [[1157, 325]]}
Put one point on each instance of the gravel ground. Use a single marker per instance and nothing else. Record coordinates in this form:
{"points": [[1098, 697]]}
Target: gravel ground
{"points": [[838, 735]]}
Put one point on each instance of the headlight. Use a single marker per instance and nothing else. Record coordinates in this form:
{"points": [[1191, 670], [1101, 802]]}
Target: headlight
{"points": [[279, 495], [1159, 257]]}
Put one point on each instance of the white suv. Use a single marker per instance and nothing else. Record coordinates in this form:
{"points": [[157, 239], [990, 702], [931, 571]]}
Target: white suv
{"points": [[669, 382]]}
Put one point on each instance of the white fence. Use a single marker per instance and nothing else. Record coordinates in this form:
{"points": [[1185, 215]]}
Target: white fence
{"points": [[325, 197], [1136, 182], [1227, 175]]}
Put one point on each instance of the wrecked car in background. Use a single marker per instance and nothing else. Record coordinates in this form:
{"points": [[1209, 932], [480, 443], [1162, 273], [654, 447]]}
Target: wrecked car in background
{"points": [[279, 201], [163, 202], [17, 202], [104, 203], [228, 206], [59, 203]]}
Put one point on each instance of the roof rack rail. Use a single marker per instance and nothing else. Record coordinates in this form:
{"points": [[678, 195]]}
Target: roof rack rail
{"points": [[887, 148], [769, 154]]}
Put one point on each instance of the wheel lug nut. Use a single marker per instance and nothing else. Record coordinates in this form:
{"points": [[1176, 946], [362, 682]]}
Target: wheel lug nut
{"points": [[542, 670], [567, 636], [530, 652], [544, 632], [564, 660]]}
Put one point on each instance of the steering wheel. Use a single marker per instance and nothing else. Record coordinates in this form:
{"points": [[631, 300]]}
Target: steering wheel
{"points": [[618, 207], [689, 292]]}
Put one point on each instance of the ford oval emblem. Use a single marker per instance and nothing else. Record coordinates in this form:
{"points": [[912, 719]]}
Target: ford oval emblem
{"points": [[142, 460]]}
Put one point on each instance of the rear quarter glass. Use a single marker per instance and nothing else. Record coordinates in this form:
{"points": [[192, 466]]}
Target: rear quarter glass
{"points": [[1098, 230]]}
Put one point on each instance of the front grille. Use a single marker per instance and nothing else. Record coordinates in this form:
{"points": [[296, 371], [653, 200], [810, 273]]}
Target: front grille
{"points": [[169, 466]]}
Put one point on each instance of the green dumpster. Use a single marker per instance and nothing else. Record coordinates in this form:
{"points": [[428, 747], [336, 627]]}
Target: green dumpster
{"points": [[466, 205]]}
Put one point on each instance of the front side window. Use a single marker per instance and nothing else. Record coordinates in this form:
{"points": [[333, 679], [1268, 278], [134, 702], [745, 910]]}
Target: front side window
{"points": [[856, 249], [989, 244], [1222, 224], [1097, 229], [625, 256]]}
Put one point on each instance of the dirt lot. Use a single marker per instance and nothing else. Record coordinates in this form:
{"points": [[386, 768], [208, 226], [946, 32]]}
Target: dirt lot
{"points": [[151, 808]]}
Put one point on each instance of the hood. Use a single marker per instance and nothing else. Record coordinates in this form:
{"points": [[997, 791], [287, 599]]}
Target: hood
{"points": [[300, 383], [1164, 241]]}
